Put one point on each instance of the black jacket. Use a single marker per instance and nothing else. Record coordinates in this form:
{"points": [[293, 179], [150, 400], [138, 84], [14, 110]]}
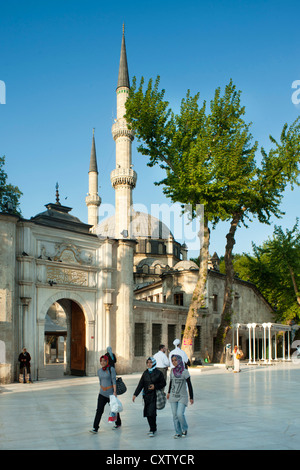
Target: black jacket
{"points": [[157, 379], [24, 360]]}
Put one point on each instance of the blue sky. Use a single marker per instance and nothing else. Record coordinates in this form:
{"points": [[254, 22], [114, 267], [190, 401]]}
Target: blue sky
{"points": [[59, 62]]}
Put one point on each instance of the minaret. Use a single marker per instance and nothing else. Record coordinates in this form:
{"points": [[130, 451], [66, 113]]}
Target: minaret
{"points": [[123, 179], [93, 200]]}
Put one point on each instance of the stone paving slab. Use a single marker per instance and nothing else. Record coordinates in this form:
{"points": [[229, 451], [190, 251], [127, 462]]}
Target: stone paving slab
{"points": [[256, 409]]}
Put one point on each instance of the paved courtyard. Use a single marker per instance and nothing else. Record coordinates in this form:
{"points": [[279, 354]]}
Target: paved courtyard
{"points": [[256, 409]]}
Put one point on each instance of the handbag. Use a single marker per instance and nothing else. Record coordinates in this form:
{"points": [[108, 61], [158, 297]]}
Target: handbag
{"points": [[121, 387], [161, 399], [240, 354]]}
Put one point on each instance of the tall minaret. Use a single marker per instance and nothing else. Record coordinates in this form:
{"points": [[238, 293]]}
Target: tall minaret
{"points": [[123, 178], [93, 200]]}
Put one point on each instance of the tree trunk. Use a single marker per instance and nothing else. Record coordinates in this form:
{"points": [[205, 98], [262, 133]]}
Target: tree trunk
{"points": [[295, 285], [198, 299], [225, 324]]}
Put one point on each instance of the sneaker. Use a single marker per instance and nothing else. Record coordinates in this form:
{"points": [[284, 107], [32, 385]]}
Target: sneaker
{"points": [[93, 431], [116, 426], [177, 436], [184, 433], [151, 434]]}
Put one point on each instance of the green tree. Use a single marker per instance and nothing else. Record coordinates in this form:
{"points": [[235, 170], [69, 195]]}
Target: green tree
{"points": [[275, 269], [9, 194], [206, 157], [209, 159], [262, 195], [240, 266]]}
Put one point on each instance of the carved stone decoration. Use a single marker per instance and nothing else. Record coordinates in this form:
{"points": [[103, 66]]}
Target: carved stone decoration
{"points": [[68, 254], [57, 275]]}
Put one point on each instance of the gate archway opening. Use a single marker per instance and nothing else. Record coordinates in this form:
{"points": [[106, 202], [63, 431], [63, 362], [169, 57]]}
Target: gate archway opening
{"points": [[65, 338]]}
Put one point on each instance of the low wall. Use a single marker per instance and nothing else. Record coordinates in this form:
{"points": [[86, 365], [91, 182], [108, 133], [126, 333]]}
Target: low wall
{"points": [[5, 374]]}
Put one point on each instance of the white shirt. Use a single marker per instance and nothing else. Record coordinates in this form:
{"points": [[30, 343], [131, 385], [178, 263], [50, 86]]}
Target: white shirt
{"points": [[178, 352], [161, 360]]}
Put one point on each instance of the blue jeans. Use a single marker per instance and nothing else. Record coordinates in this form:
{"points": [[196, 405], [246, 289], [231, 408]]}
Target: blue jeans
{"points": [[179, 420]]}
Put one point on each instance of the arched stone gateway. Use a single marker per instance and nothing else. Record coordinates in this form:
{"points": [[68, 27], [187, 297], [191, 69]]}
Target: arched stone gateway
{"points": [[65, 324]]}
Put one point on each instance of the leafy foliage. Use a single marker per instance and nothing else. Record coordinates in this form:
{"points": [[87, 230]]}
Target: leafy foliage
{"points": [[275, 269], [206, 155], [209, 159], [9, 194]]}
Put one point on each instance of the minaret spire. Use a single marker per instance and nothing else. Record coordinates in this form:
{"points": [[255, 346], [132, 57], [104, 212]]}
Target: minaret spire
{"points": [[93, 200], [123, 178], [93, 159], [123, 79]]}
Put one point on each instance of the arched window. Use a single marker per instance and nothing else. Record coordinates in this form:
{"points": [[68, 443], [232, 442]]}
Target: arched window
{"points": [[145, 269]]}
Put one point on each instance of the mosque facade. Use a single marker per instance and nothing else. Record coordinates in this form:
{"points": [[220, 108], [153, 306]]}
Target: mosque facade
{"points": [[68, 289]]}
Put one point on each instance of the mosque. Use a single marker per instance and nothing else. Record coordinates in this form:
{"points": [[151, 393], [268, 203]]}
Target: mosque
{"points": [[68, 289]]}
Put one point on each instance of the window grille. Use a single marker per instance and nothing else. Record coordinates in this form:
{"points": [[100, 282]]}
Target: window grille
{"points": [[139, 339]]}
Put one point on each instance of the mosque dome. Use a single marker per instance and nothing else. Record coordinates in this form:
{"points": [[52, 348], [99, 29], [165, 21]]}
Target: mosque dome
{"points": [[185, 265], [143, 225]]}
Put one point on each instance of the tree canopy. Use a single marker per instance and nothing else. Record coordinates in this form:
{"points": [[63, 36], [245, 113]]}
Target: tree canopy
{"points": [[209, 159], [9, 194], [275, 269]]}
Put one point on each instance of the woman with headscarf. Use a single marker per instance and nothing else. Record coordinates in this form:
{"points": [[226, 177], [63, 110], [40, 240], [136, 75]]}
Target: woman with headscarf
{"points": [[178, 351], [152, 379], [107, 379], [178, 396]]}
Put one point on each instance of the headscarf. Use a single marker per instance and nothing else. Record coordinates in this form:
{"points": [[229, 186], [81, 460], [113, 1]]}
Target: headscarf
{"points": [[177, 371], [106, 358], [153, 364]]}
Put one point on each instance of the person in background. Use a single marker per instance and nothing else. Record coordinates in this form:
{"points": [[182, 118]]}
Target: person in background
{"points": [[179, 352], [162, 361], [177, 395], [111, 357], [237, 355], [152, 379], [107, 379], [24, 359]]}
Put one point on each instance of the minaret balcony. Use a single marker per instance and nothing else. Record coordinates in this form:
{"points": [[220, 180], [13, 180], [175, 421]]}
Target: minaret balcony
{"points": [[123, 176], [93, 200], [120, 129]]}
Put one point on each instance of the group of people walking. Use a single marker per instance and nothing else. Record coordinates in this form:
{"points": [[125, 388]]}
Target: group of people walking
{"points": [[154, 378]]}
